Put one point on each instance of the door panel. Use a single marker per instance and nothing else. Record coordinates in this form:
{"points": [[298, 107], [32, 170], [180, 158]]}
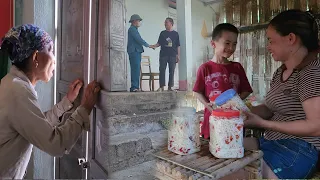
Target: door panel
{"points": [[70, 66], [71, 62], [112, 63]]}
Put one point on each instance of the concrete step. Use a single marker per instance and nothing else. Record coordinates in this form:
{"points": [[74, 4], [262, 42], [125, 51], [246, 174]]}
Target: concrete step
{"points": [[138, 123], [138, 108], [123, 103], [144, 171], [130, 149]]}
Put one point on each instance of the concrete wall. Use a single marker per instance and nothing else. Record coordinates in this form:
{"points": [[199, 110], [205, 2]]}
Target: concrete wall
{"points": [[153, 14], [41, 13]]}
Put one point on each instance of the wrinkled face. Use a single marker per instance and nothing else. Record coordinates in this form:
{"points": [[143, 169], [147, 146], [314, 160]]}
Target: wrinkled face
{"points": [[278, 46], [46, 63], [225, 46], [167, 24]]}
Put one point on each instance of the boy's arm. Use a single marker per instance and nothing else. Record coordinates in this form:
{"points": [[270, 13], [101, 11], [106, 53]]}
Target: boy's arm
{"points": [[244, 95], [204, 101], [199, 88]]}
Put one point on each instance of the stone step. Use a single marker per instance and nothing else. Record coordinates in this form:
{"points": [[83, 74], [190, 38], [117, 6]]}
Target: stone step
{"points": [[120, 103], [144, 171], [130, 149], [138, 123], [138, 108]]}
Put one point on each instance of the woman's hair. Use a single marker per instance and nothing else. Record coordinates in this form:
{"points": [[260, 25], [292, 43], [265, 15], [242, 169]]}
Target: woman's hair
{"points": [[22, 41], [224, 27], [7, 48], [303, 24]]}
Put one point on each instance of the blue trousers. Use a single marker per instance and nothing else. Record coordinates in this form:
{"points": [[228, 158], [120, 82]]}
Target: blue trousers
{"points": [[135, 61]]}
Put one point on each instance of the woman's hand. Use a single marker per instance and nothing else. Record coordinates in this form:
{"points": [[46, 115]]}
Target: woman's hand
{"points": [[74, 89], [254, 121], [90, 96]]}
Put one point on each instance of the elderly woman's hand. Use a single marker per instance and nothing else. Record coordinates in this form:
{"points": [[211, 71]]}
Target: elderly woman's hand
{"points": [[90, 96], [74, 89], [254, 121]]}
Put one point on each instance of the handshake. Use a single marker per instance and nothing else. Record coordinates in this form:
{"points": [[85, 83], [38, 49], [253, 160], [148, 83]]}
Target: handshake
{"points": [[153, 46]]}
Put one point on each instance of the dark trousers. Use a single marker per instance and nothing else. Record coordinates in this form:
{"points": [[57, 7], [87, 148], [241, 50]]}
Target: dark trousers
{"points": [[171, 60], [135, 61]]}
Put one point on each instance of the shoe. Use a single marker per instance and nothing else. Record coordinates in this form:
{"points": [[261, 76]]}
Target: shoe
{"points": [[160, 90], [135, 90], [170, 89]]}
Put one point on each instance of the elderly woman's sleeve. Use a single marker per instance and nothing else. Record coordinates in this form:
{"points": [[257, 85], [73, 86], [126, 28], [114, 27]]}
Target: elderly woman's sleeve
{"points": [[33, 125], [58, 110]]}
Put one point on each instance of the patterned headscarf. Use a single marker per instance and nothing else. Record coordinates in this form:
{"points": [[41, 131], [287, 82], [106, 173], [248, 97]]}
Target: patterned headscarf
{"points": [[25, 39]]}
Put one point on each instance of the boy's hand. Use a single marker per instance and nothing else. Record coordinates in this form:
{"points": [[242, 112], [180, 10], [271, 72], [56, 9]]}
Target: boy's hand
{"points": [[209, 106]]}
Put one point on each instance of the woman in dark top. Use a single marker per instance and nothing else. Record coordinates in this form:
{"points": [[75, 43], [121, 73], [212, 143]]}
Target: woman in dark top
{"points": [[291, 113]]}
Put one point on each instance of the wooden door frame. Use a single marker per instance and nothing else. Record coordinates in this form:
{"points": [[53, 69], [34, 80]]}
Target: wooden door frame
{"points": [[95, 168], [86, 76]]}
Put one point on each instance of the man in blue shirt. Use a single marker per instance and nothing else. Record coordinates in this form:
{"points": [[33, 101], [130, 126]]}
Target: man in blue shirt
{"points": [[169, 53], [134, 49]]}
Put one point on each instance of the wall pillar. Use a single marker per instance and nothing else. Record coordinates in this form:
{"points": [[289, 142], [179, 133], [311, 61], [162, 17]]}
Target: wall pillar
{"points": [[185, 34]]}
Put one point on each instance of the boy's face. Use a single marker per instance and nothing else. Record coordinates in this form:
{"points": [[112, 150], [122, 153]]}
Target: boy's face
{"points": [[225, 46]]}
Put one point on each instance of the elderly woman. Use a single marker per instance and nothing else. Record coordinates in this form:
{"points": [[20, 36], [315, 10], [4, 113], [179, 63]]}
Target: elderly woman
{"points": [[291, 113], [22, 124]]}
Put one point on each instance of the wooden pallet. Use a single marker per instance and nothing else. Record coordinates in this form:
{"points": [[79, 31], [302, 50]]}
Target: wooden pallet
{"points": [[203, 165]]}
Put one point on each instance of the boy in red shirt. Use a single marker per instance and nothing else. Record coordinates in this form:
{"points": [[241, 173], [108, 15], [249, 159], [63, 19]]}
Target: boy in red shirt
{"points": [[219, 74]]}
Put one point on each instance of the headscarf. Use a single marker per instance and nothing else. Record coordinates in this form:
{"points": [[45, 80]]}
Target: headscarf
{"points": [[25, 39]]}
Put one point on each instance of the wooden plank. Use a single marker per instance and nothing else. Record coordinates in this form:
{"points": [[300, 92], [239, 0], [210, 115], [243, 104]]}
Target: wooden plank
{"points": [[249, 66], [224, 163], [297, 5], [163, 176], [303, 5], [237, 165], [292, 3], [253, 27], [261, 40], [229, 11], [200, 161], [283, 5], [254, 11], [236, 12], [261, 6], [210, 164], [255, 54], [267, 11], [223, 14], [243, 14], [220, 165], [313, 6], [195, 176]]}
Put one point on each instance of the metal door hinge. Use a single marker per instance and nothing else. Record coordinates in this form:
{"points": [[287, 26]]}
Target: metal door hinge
{"points": [[83, 163]]}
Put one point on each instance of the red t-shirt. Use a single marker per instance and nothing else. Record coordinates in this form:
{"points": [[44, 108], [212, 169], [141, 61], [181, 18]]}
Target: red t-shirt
{"points": [[214, 79]]}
